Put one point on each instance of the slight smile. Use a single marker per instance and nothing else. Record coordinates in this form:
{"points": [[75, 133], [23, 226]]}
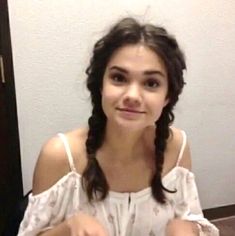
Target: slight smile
{"points": [[129, 110]]}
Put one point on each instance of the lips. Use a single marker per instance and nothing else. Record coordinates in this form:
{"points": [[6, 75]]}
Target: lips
{"points": [[129, 110]]}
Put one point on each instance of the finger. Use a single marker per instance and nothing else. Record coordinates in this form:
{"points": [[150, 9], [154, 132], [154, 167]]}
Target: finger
{"points": [[81, 233]]}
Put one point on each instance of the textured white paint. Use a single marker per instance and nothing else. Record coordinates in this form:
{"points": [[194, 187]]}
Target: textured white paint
{"points": [[51, 43]]}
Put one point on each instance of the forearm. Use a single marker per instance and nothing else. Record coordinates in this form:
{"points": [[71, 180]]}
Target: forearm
{"points": [[61, 229], [78, 223], [178, 227], [193, 229]]}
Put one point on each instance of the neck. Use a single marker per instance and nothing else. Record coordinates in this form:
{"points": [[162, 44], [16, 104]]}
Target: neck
{"points": [[124, 145]]}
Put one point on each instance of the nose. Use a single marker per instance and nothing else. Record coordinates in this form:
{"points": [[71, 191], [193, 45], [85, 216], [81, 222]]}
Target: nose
{"points": [[132, 95]]}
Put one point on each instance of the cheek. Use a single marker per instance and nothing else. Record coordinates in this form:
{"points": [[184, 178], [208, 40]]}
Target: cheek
{"points": [[109, 97], [157, 106], [110, 94]]}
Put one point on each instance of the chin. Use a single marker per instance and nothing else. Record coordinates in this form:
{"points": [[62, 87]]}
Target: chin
{"points": [[131, 125]]}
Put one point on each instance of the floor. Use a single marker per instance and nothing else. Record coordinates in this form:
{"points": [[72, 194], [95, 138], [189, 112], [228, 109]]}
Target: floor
{"points": [[225, 225]]}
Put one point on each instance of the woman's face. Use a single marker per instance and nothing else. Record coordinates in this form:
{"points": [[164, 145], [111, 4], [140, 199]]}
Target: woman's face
{"points": [[134, 88]]}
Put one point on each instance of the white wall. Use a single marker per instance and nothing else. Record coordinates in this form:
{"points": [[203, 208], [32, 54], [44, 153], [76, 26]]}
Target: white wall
{"points": [[51, 43]]}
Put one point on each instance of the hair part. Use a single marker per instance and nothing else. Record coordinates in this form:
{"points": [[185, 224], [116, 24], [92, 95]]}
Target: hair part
{"points": [[125, 32]]}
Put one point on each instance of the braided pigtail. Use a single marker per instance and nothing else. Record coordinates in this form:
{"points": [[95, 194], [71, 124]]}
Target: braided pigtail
{"points": [[162, 134], [93, 179]]}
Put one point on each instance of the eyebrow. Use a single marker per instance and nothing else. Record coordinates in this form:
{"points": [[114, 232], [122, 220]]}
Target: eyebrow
{"points": [[147, 72]]}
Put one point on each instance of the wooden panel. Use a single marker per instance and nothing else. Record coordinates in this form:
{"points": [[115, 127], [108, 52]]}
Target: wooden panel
{"points": [[219, 212], [11, 189], [226, 226]]}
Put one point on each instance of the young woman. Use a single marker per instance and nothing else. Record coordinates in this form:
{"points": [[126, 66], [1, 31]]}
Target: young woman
{"points": [[129, 171]]}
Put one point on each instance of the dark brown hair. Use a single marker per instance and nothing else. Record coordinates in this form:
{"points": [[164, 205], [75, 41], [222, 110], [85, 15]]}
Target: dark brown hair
{"points": [[129, 31]]}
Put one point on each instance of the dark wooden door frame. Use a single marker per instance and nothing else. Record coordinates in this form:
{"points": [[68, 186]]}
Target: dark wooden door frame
{"points": [[13, 186]]}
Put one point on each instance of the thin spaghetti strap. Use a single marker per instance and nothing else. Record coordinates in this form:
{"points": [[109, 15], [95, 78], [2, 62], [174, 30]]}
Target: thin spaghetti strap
{"points": [[182, 147], [68, 151]]}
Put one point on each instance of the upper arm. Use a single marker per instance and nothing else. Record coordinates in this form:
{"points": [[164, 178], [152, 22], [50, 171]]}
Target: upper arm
{"points": [[51, 165]]}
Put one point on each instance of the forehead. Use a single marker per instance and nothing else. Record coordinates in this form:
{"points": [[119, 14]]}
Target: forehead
{"points": [[137, 57]]}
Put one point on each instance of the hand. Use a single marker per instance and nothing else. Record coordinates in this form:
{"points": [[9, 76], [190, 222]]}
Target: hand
{"points": [[82, 224], [178, 227]]}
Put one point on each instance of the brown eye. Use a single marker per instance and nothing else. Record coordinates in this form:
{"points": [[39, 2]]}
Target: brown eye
{"points": [[118, 78], [152, 83]]}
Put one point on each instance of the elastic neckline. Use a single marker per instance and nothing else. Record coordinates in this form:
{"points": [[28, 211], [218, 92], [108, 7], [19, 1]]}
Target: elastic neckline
{"points": [[146, 191], [113, 194]]}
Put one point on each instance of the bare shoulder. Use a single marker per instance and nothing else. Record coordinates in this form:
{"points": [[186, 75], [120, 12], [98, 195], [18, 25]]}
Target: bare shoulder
{"points": [[52, 163], [176, 137], [174, 147], [77, 142]]}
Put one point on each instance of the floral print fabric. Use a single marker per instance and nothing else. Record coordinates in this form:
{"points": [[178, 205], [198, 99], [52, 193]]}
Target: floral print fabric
{"points": [[123, 214]]}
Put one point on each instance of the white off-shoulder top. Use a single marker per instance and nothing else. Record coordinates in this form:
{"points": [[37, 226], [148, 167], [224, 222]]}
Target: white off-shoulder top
{"points": [[123, 214]]}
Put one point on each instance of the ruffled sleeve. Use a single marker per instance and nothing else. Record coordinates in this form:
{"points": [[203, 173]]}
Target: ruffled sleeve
{"points": [[187, 204], [51, 207]]}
